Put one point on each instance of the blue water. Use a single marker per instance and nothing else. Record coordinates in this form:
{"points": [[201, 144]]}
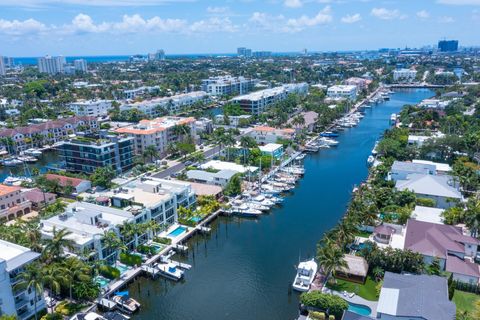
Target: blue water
{"points": [[196, 219], [103, 282], [178, 231], [244, 268], [122, 268], [359, 309]]}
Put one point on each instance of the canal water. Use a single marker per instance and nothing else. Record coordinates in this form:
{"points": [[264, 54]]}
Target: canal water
{"points": [[49, 159], [245, 267]]}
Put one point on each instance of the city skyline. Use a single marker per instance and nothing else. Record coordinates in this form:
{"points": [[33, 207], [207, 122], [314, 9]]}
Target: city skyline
{"points": [[74, 27]]}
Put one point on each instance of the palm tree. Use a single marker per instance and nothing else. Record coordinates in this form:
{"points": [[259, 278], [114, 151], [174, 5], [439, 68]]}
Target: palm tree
{"points": [[75, 270], [330, 257], [228, 140], [53, 277], [32, 279], [472, 215], [54, 247], [150, 151], [112, 242], [378, 273], [247, 142]]}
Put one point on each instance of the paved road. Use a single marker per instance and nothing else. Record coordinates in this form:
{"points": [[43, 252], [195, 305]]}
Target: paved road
{"points": [[180, 166]]}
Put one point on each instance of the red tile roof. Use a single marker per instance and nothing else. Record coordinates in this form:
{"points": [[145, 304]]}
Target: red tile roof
{"points": [[64, 181]]}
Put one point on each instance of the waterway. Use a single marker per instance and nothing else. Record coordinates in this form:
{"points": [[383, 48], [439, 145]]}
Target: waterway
{"points": [[245, 267], [49, 159]]}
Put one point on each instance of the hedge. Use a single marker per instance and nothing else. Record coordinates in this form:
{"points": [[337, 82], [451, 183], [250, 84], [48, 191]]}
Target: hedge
{"points": [[163, 240], [109, 272], [130, 259], [146, 249], [318, 300], [425, 202], [467, 287]]}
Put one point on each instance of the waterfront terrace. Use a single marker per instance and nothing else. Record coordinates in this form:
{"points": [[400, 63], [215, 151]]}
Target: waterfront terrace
{"points": [[38, 135]]}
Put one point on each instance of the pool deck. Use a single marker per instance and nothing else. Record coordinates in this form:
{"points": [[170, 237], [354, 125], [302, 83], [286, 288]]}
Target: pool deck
{"points": [[357, 300]]}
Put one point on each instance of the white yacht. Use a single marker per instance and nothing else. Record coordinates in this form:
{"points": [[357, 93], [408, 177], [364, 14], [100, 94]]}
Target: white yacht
{"points": [[301, 156], [33, 152], [126, 304], [306, 271], [242, 209], [370, 160], [11, 162], [328, 141], [87, 316], [260, 199], [269, 189]]}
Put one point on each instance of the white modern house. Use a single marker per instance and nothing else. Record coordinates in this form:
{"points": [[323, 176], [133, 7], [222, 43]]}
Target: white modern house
{"points": [[342, 91], [404, 75], [94, 108], [265, 135], [14, 299], [401, 169], [220, 178]]}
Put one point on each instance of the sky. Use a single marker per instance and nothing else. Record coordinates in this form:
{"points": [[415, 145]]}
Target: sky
{"points": [[31, 28]]}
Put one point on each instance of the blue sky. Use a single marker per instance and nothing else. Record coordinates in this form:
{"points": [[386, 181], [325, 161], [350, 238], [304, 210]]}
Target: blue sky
{"points": [[105, 27]]}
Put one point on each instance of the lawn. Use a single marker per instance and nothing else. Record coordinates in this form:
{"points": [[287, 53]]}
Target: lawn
{"points": [[465, 301], [366, 291]]}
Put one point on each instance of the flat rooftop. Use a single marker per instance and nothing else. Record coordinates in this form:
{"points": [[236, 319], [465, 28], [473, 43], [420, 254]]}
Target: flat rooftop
{"points": [[15, 255], [223, 165]]}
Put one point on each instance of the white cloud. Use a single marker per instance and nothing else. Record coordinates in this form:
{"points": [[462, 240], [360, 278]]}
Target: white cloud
{"points": [[323, 17], [423, 14], [386, 14], [92, 3], [25, 27], [217, 10], [460, 2], [351, 18], [214, 24], [293, 3], [446, 19]]}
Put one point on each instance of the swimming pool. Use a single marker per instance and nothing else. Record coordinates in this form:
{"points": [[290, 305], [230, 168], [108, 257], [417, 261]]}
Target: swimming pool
{"points": [[158, 247], [103, 282], [178, 231], [122, 268], [359, 309], [196, 219]]}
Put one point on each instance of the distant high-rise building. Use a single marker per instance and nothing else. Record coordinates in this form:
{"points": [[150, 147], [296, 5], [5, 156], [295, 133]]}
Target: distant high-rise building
{"points": [[51, 65], [262, 54], [2, 66], [244, 52], [80, 65], [448, 45], [157, 56]]}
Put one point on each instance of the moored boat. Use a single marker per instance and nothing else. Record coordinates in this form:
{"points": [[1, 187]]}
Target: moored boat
{"points": [[306, 271]]}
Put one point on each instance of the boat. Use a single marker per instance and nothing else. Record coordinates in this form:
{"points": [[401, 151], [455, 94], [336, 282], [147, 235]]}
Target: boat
{"points": [[370, 160], [125, 303], [329, 134], [269, 189], [301, 156], [306, 271], [16, 181], [27, 159], [170, 271], [87, 316], [273, 198], [11, 162], [328, 141], [257, 206], [112, 315], [393, 118], [374, 150], [260, 199], [33, 152]]}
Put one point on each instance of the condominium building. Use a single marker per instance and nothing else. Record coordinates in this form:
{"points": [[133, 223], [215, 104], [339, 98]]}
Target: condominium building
{"points": [[244, 52], [15, 300], [138, 201], [360, 83], [159, 132], [257, 102], [2, 66], [404, 75], [50, 132], [51, 65], [157, 56], [174, 104], [93, 108], [137, 92], [342, 91], [80, 65], [87, 154], [13, 203], [228, 85]]}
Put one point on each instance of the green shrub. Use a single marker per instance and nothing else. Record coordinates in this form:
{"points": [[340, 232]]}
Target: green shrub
{"points": [[425, 202], [109, 272], [130, 259], [316, 315], [66, 308], [163, 240], [187, 222], [334, 304], [145, 249], [52, 316]]}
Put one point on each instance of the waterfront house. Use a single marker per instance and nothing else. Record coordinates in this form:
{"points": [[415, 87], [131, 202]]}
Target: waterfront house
{"points": [[401, 169], [38, 198], [454, 250], [420, 140], [220, 178], [414, 297], [274, 150], [264, 134], [13, 203], [310, 118], [440, 168], [342, 91], [428, 214], [50, 132], [355, 271], [15, 300], [79, 185], [224, 165], [443, 190]]}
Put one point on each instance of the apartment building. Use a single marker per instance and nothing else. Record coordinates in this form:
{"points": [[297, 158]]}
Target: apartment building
{"points": [[228, 85], [50, 132], [51, 65], [2, 66], [257, 102], [80, 65], [92, 108], [159, 132], [16, 301], [133, 93], [87, 154], [13, 203], [174, 104], [342, 92], [404, 75], [265, 135]]}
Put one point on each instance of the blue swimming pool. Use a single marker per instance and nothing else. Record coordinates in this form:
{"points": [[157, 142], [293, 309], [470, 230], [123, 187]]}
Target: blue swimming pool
{"points": [[359, 309], [178, 231], [103, 282], [122, 268], [196, 219]]}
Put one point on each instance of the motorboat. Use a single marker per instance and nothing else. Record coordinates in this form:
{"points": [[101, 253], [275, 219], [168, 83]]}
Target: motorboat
{"points": [[393, 118], [370, 160], [328, 141], [293, 170], [11, 162], [301, 156], [260, 199], [170, 271], [33, 152], [311, 147], [125, 303], [27, 159], [87, 316], [306, 271], [14, 181], [257, 206], [329, 134], [112, 315], [269, 189], [374, 150]]}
